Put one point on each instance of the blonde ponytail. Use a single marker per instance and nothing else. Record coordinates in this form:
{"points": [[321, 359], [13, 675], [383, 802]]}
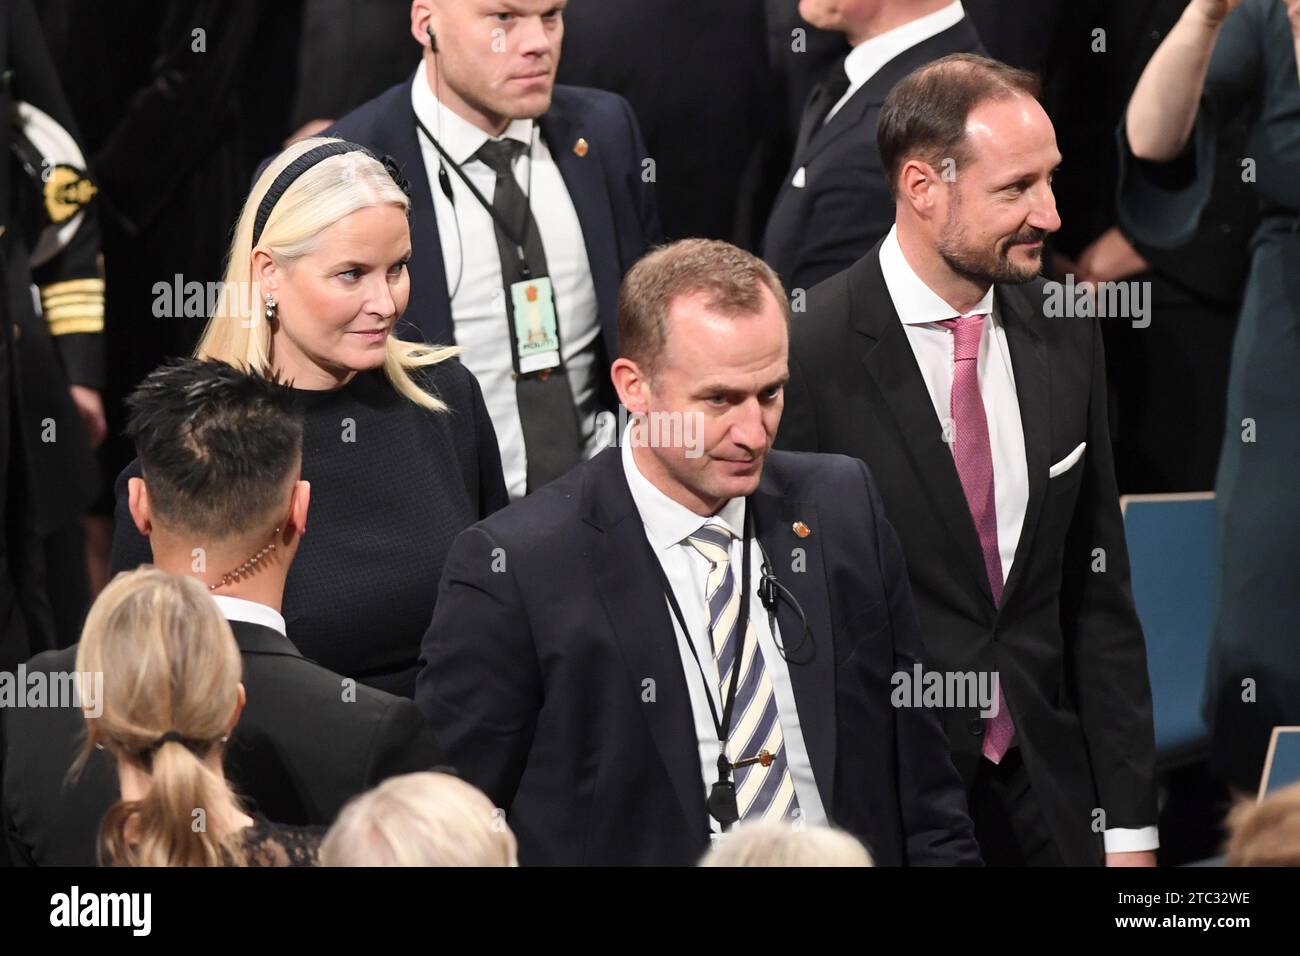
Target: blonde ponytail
{"points": [[170, 686]]}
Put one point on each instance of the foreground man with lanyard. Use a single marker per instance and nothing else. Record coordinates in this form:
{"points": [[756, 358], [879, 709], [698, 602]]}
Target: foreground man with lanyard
{"points": [[689, 631]]}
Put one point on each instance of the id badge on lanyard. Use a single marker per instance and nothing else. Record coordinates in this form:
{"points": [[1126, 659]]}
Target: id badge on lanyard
{"points": [[536, 327]]}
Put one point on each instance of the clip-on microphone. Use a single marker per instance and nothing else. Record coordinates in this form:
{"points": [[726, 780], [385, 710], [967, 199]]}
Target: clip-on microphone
{"points": [[770, 591]]}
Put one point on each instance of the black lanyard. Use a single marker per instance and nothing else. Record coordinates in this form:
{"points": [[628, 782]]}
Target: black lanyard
{"points": [[504, 226], [722, 798]]}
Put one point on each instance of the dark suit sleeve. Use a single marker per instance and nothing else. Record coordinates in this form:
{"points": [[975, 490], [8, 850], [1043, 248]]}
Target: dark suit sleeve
{"points": [[932, 798], [646, 205], [403, 744], [130, 548], [479, 686], [798, 428], [1105, 646]]}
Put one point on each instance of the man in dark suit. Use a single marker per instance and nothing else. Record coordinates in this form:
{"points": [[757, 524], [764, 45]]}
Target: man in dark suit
{"points": [[220, 500], [835, 201], [494, 149], [589, 652], [944, 363]]}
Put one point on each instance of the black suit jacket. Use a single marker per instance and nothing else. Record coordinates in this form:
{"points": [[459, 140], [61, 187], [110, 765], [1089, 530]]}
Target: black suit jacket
{"points": [[555, 682], [844, 206], [1066, 640], [302, 748], [700, 141], [615, 207]]}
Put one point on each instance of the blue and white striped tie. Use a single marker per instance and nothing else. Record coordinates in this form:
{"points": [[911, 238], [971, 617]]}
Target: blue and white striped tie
{"points": [[760, 791]]}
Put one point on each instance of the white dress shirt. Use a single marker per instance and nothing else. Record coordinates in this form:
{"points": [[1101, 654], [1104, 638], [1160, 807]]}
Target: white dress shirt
{"points": [[249, 612], [865, 60], [920, 309], [668, 525], [473, 266]]}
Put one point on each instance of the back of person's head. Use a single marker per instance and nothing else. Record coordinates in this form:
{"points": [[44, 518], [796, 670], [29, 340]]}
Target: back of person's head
{"points": [[924, 115], [420, 819], [1266, 832], [766, 843], [170, 695], [239, 332], [219, 449]]}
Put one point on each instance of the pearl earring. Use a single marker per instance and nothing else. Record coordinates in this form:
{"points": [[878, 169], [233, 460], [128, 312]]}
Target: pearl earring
{"points": [[270, 307]]}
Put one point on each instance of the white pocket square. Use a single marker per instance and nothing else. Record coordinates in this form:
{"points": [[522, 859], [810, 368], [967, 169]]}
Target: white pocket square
{"points": [[1068, 462]]}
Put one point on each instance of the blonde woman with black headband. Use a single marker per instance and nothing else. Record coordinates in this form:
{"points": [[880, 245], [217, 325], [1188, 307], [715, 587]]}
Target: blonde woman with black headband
{"points": [[398, 446]]}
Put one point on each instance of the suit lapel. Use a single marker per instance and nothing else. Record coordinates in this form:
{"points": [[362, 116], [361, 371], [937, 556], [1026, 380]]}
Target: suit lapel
{"points": [[810, 657], [960, 36], [584, 176], [891, 363], [1033, 388], [851, 115], [628, 585]]}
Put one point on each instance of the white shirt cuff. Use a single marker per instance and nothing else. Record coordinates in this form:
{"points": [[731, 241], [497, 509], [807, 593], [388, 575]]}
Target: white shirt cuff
{"points": [[1121, 840]]}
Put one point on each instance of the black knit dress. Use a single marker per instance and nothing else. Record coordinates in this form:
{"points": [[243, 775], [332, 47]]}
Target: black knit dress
{"points": [[391, 486]]}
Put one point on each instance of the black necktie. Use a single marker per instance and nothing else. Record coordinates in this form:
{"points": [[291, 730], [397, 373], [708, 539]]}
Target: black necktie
{"points": [[824, 96], [552, 444]]}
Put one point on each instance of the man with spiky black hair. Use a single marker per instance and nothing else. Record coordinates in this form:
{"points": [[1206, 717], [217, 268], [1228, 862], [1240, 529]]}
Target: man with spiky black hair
{"points": [[221, 499]]}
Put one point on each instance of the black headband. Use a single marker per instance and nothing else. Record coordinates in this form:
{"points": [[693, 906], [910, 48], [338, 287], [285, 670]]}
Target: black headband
{"points": [[305, 162]]}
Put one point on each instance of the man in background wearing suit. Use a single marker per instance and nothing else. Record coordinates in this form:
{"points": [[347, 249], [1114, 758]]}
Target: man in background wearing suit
{"points": [[593, 644], [221, 501], [938, 361], [835, 201], [528, 205]]}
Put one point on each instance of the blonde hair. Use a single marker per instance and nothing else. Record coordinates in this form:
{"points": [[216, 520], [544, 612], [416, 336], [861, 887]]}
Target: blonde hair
{"points": [[766, 843], [237, 332], [420, 819], [1266, 832], [169, 662]]}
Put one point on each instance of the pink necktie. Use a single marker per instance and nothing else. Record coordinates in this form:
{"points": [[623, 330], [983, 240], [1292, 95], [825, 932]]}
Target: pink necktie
{"points": [[973, 456]]}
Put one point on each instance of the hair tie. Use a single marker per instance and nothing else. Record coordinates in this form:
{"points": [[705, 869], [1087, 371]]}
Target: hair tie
{"points": [[305, 162], [172, 736]]}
